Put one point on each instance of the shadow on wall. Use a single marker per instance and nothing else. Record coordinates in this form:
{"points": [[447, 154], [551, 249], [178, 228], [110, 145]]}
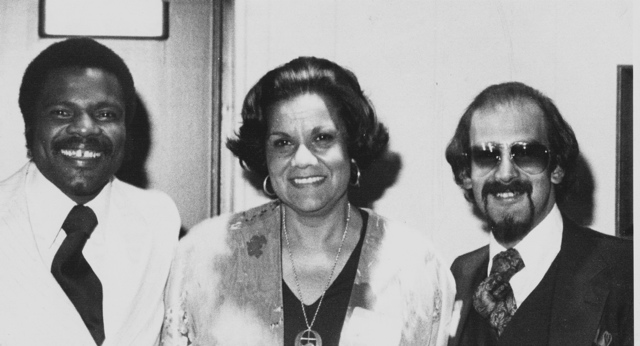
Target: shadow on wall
{"points": [[578, 204], [374, 181], [133, 169]]}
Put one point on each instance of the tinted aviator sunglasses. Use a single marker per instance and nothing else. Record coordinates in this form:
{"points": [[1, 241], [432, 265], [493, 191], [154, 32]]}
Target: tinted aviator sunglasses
{"points": [[532, 158]]}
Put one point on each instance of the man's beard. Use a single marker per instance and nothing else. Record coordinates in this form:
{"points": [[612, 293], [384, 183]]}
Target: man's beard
{"points": [[508, 229]]}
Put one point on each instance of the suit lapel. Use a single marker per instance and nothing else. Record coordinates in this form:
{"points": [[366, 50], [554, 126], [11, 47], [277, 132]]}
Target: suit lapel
{"points": [[128, 250], [17, 237], [473, 271], [29, 290], [580, 292], [128, 245], [15, 228]]}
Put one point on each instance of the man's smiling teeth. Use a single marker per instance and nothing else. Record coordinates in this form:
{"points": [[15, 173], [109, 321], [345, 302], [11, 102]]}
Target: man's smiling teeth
{"points": [[84, 154], [309, 180], [505, 194]]}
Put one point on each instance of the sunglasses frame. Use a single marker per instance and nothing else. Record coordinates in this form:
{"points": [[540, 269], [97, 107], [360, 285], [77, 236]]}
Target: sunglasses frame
{"points": [[547, 151]]}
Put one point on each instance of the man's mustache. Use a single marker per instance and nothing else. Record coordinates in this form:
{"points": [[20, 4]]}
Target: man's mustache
{"points": [[516, 186], [101, 144]]}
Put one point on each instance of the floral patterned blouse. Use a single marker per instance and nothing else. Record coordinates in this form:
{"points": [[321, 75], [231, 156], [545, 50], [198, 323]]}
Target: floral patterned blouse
{"points": [[225, 286]]}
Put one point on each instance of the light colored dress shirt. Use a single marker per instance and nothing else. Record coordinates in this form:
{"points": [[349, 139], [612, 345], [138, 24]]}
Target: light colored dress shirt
{"points": [[538, 250], [49, 207]]}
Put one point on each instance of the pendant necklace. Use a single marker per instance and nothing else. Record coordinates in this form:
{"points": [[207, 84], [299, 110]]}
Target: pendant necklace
{"points": [[310, 337]]}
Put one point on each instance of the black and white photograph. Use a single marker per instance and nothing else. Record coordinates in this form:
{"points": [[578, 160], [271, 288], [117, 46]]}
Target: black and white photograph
{"points": [[317, 172]]}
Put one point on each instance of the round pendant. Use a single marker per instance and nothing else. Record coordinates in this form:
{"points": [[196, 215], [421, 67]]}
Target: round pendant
{"points": [[308, 337]]}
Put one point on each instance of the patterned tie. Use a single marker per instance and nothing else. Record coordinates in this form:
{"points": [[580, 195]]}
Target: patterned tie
{"points": [[74, 274], [494, 298]]}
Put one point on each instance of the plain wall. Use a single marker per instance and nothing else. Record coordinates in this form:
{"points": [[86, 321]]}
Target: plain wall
{"points": [[422, 62]]}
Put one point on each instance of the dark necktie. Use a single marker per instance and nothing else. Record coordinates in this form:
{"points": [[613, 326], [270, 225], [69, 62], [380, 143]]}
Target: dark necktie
{"points": [[494, 298], [74, 274]]}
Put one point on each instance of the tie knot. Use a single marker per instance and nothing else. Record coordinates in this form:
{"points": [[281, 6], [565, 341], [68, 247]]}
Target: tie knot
{"points": [[80, 218], [507, 262]]}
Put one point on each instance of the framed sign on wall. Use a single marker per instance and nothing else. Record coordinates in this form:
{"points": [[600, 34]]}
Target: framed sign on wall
{"points": [[136, 19]]}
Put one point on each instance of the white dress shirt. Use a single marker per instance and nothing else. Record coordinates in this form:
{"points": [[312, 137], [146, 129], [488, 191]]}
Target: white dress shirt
{"points": [[49, 207], [538, 250]]}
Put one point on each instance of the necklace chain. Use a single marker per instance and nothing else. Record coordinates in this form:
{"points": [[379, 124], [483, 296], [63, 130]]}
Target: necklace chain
{"points": [[295, 274]]}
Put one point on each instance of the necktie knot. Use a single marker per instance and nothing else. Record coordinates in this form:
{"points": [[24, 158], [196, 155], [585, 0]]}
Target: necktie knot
{"points": [[507, 263], [80, 219], [494, 298]]}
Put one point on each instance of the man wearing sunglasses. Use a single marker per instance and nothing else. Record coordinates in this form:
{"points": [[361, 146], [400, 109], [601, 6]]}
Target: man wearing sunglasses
{"points": [[542, 279]]}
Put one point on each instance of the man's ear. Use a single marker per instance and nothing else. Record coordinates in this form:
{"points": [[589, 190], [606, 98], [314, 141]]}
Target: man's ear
{"points": [[466, 180], [557, 175]]}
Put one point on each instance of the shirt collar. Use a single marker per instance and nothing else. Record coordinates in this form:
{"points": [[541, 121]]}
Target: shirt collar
{"points": [[49, 207], [542, 243]]}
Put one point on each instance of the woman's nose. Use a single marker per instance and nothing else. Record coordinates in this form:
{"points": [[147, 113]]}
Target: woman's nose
{"points": [[303, 157], [84, 124]]}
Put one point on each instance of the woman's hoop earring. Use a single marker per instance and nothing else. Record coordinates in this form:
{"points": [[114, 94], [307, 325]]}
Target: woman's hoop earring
{"points": [[357, 182], [265, 185]]}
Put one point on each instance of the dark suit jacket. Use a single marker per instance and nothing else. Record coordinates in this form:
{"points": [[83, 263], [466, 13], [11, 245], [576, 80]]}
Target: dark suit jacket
{"points": [[593, 299]]}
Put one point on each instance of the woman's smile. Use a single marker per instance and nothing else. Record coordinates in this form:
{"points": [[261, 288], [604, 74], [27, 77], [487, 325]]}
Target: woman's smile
{"points": [[308, 181]]}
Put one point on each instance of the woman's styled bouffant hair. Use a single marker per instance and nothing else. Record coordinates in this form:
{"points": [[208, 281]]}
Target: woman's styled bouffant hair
{"points": [[367, 138], [562, 141]]}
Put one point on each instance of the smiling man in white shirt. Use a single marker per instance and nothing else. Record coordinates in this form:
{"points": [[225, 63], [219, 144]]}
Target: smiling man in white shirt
{"points": [[542, 280], [84, 257]]}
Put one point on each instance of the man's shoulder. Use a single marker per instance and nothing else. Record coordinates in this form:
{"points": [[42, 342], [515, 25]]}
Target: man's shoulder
{"points": [[611, 243], [138, 195], [475, 255], [605, 245], [12, 186], [465, 263], [16, 178], [591, 250], [151, 204]]}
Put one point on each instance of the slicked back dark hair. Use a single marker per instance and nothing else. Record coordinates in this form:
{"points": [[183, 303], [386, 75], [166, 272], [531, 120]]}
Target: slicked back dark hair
{"points": [[74, 52], [367, 138], [562, 140]]}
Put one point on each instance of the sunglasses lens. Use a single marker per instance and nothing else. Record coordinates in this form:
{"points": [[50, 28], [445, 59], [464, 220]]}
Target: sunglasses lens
{"points": [[532, 158], [485, 158]]}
